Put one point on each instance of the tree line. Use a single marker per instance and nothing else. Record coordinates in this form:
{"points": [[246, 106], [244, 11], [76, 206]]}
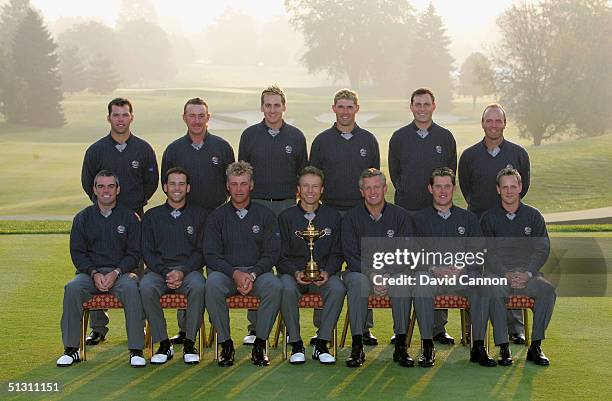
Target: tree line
{"points": [[549, 68]]}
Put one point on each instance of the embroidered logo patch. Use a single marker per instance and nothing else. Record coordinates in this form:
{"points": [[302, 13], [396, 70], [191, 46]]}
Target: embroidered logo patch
{"points": [[190, 230], [328, 231], [214, 160], [135, 164], [121, 229], [363, 152], [439, 149], [256, 229], [390, 233], [288, 149], [527, 230], [509, 166], [461, 230]]}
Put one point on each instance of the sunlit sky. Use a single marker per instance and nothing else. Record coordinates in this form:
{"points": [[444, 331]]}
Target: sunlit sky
{"points": [[471, 24]]}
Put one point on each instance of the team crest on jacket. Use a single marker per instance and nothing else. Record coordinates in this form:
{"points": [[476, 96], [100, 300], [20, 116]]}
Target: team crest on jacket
{"points": [[214, 160], [121, 229], [461, 230], [135, 164], [527, 230], [288, 149], [390, 233], [509, 166], [363, 152], [256, 229], [328, 231], [190, 230], [439, 149]]}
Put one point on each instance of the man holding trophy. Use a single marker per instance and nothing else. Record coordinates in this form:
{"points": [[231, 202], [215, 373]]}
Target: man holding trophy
{"points": [[311, 257]]}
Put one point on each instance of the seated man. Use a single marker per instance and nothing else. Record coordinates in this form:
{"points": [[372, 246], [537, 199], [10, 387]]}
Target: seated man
{"points": [[241, 245], [448, 228], [172, 249], [294, 256], [518, 247], [377, 218], [105, 249]]}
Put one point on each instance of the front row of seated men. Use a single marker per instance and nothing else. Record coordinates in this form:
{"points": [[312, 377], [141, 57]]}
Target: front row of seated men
{"points": [[241, 241]]}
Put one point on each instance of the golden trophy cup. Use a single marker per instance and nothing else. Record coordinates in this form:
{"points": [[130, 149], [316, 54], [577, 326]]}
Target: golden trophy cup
{"points": [[310, 234]]}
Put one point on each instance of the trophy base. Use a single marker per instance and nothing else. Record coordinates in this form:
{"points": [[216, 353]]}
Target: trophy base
{"points": [[313, 279]]}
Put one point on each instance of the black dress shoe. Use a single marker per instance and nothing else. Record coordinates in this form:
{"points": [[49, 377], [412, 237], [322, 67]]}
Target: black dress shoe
{"points": [[518, 339], [226, 357], [258, 354], [428, 357], [479, 354], [444, 338], [401, 356], [369, 339], [94, 338], [179, 338], [536, 355], [505, 357], [357, 357], [392, 340]]}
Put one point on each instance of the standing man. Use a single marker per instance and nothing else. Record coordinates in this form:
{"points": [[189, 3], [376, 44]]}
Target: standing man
{"points": [[241, 245], [277, 152], [294, 256], [377, 218], [518, 248], [172, 249], [205, 158], [133, 161], [414, 152], [105, 249], [478, 168], [342, 152], [448, 228]]}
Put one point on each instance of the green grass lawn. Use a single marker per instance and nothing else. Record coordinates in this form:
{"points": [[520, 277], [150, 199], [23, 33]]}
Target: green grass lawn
{"points": [[42, 167], [36, 267]]}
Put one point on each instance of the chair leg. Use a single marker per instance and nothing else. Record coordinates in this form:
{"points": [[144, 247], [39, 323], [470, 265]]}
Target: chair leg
{"points": [[211, 336], [488, 337], [344, 330], [463, 326], [527, 328], [284, 330], [411, 328], [216, 344], [84, 321], [202, 338], [279, 323], [335, 341], [148, 339]]}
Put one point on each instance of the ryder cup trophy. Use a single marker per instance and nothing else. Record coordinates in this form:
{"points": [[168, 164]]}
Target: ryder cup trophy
{"points": [[310, 235]]}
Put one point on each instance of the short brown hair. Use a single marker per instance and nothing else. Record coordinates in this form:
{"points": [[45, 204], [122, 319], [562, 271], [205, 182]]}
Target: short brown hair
{"points": [[273, 90], [106, 173], [177, 170], [120, 102], [369, 173], [311, 170], [239, 168], [493, 106], [422, 91], [346, 94], [195, 100], [442, 172], [508, 171]]}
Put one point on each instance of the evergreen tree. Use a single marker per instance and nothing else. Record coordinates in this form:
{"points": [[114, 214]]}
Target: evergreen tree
{"points": [[431, 64], [72, 70], [35, 69], [102, 77]]}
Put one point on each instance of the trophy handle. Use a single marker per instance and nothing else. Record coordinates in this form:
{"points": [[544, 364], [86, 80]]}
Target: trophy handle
{"points": [[297, 232]]}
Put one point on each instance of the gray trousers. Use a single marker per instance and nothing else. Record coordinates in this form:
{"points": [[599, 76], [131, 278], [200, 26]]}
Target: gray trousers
{"points": [[358, 288], [153, 286], [332, 292], [538, 288], [81, 288], [98, 319], [219, 286], [480, 307]]}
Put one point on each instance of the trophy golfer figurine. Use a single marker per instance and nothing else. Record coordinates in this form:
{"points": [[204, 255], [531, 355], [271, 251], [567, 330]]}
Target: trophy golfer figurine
{"points": [[310, 234]]}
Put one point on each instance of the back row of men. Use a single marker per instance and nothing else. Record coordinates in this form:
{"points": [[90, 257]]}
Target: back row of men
{"points": [[277, 150]]}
